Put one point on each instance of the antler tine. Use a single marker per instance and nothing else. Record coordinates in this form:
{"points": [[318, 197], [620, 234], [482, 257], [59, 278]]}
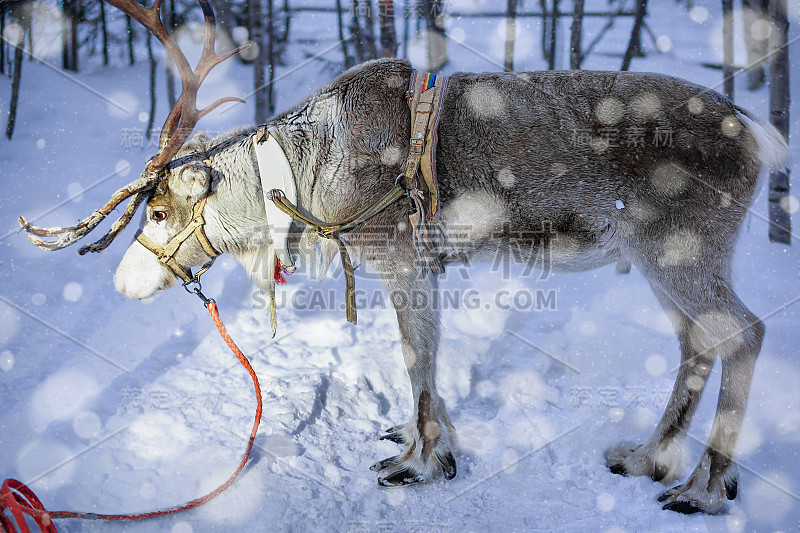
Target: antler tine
{"points": [[209, 58], [177, 128], [71, 234], [150, 18], [184, 115], [117, 227]]}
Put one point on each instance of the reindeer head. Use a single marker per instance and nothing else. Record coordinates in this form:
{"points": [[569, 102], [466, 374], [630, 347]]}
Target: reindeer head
{"points": [[172, 238], [175, 189]]}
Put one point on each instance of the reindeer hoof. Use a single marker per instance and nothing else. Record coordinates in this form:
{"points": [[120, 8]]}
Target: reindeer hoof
{"points": [[681, 507], [629, 460], [618, 469], [659, 472], [666, 494], [698, 495], [426, 454], [397, 475], [405, 476], [731, 488], [394, 434], [448, 463], [386, 463]]}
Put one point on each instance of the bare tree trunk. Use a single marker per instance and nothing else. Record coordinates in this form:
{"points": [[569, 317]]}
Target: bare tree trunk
{"points": [[780, 226], [75, 43], [2, 41], [348, 60], [634, 45], [15, 80], [271, 56], [363, 36], [65, 35], [511, 32], [757, 46], [575, 53], [104, 31], [437, 45], [357, 33], [287, 21], [727, 47], [170, 77], [545, 23], [369, 30], [131, 36], [388, 32], [281, 40], [30, 33], [406, 24], [256, 30], [152, 59], [554, 15], [69, 39]]}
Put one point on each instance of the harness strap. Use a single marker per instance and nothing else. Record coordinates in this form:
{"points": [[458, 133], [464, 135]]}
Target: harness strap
{"points": [[326, 229], [426, 93], [426, 96], [331, 230], [166, 254]]}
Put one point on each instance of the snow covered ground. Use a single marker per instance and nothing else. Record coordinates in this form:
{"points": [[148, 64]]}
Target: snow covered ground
{"points": [[110, 405]]}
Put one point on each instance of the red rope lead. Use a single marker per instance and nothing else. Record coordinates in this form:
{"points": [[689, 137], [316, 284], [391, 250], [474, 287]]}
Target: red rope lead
{"points": [[20, 500]]}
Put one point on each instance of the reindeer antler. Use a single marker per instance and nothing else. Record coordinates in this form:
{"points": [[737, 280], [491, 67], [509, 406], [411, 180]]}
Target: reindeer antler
{"points": [[177, 128]]}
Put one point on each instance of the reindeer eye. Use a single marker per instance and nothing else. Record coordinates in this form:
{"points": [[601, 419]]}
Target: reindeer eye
{"points": [[158, 216]]}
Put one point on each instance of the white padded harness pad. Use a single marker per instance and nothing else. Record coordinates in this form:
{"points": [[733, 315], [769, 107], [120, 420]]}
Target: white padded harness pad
{"points": [[276, 173]]}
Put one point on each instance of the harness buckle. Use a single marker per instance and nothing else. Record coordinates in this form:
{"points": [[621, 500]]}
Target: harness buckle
{"points": [[417, 146]]}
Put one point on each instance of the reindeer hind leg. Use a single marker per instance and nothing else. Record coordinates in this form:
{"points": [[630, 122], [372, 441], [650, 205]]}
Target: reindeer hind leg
{"points": [[660, 457], [718, 325]]}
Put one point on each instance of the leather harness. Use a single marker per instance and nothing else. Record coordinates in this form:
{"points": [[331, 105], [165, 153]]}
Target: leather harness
{"points": [[166, 254], [424, 98]]}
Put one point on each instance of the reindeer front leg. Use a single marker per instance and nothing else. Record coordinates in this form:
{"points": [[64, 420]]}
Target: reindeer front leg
{"points": [[428, 438]]}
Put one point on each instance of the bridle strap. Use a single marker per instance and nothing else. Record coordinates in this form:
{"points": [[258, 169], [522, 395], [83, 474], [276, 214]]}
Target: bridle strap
{"points": [[166, 254], [331, 230]]}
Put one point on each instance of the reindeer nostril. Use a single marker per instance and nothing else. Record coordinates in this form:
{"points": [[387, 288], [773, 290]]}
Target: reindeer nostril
{"points": [[119, 285]]}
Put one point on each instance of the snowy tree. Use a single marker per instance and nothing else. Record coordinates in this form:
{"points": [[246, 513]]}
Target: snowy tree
{"points": [[20, 14]]}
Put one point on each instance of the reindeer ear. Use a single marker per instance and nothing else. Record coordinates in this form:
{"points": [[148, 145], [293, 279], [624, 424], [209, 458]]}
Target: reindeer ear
{"points": [[191, 180], [200, 137]]}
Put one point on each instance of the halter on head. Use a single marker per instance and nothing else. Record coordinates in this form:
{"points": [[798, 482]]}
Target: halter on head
{"points": [[166, 254]]}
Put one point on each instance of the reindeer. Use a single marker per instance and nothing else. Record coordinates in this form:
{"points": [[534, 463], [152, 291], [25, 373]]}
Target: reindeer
{"points": [[507, 165]]}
